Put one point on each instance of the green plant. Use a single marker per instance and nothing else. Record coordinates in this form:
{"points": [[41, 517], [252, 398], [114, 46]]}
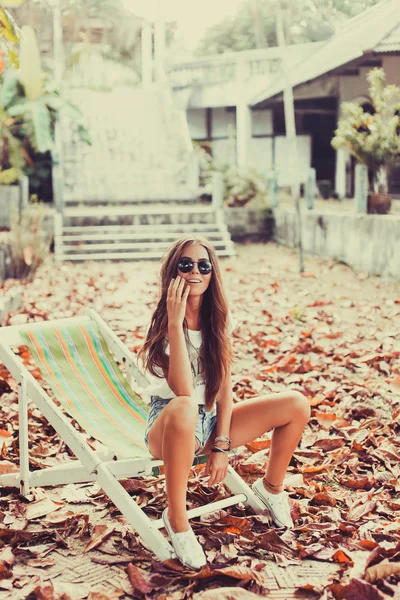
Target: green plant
{"points": [[28, 240], [30, 104], [298, 314], [373, 138], [241, 184], [9, 176], [9, 38]]}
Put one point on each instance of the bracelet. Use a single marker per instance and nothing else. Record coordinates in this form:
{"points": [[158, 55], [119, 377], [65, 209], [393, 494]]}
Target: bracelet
{"points": [[216, 449], [223, 438]]}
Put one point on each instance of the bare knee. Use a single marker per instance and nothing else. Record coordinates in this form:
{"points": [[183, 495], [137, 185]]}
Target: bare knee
{"points": [[301, 407], [182, 414]]}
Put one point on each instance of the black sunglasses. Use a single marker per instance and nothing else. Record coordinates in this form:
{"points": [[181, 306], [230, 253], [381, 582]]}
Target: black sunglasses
{"points": [[185, 265]]}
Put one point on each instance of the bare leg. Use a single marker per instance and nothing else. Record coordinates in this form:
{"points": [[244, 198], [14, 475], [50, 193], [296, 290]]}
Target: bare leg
{"points": [[287, 414], [172, 438]]}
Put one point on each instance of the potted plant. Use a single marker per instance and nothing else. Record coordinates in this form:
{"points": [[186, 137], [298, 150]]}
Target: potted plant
{"points": [[373, 137], [241, 184]]}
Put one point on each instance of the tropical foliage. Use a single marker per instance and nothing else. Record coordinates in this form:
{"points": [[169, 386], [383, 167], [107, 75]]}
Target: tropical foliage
{"points": [[373, 137], [30, 103], [253, 25], [9, 39]]}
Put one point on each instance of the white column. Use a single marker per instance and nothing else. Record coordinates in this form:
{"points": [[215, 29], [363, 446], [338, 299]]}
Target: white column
{"points": [[340, 175], [159, 48], [147, 55], [243, 133]]}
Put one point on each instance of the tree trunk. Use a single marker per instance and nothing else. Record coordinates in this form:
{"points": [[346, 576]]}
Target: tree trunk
{"points": [[258, 21]]}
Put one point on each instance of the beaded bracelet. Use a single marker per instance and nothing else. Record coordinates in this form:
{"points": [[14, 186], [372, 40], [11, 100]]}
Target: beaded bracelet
{"points": [[223, 438]]}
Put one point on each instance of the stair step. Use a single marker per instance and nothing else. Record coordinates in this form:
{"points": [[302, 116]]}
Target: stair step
{"points": [[149, 236], [111, 211], [139, 246], [178, 229], [139, 198], [223, 252]]}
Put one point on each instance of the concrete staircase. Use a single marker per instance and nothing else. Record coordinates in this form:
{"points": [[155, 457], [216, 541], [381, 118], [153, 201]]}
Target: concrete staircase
{"points": [[133, 192]]}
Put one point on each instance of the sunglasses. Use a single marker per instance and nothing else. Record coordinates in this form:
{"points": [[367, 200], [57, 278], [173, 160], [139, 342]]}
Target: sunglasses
{"points": [[185, 265]]}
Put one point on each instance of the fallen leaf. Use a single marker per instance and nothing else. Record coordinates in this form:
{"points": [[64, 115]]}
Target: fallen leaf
{"points": [[137, 580], [42, 507], [100, 533], [381, 571]]}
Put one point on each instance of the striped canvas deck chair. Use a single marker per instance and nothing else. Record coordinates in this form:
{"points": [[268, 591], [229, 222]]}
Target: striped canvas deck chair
{"points": [[78, 357]]}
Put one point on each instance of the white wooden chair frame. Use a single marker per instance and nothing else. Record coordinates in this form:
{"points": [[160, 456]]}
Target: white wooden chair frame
{"points": [[104, 468]]}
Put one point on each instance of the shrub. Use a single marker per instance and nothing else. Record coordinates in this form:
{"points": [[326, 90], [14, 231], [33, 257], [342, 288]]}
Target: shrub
{"points": [[28, 241]]}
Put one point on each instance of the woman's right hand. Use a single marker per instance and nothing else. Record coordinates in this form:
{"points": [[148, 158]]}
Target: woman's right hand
{"points": [[176, 301]]}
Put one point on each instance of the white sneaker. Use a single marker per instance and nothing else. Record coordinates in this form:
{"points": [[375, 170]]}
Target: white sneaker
{"points": [[186, 546], [277, 504]]}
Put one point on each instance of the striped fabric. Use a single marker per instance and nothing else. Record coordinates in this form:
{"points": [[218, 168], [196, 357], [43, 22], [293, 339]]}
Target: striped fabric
{"points": [[84, 377]]}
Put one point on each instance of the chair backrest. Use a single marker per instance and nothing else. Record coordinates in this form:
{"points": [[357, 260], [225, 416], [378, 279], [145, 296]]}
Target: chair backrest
{"points": [[74, 359]]}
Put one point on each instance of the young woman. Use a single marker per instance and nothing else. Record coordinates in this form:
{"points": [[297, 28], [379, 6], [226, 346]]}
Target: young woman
{"points": [[187, 355]]}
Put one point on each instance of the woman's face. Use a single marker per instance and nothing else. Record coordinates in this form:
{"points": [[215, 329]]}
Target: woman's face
{"points": [[197, 281]]}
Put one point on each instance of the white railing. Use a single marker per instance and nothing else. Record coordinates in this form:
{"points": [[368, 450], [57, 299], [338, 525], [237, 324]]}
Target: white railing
{"points": [[228, 67]]}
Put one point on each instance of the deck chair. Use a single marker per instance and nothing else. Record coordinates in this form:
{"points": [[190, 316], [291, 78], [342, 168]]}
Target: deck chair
{"points": [[76, 358]]}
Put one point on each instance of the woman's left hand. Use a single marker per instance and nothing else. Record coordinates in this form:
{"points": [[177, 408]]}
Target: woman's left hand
{"points": [[217, 467]]}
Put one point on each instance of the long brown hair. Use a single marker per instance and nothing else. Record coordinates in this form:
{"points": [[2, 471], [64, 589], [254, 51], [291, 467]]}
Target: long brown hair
{"points": [[216, 349]]}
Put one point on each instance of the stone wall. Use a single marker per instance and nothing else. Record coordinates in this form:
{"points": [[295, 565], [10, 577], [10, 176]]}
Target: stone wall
{"points": [[369, 243], [249, 223]]}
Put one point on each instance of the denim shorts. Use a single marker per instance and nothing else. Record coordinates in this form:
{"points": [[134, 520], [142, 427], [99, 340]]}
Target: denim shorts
{"points": [[206, 420]]}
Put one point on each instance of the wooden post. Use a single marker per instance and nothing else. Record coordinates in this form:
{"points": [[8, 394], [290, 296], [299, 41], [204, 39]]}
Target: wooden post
{"points": [[311, 185], [361, 188]]}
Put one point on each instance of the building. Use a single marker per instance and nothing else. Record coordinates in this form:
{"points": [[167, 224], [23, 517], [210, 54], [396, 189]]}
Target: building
{"points": [[234, 102]]}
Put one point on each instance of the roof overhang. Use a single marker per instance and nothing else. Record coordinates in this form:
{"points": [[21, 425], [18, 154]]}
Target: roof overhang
{"points": [[274, 92]]}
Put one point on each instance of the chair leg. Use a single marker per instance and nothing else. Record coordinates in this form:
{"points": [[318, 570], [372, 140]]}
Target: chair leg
{"points": [[23, 437], [133, 513], [238, 486]]}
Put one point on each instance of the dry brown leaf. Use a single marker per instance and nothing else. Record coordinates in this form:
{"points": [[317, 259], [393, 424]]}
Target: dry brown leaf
{"points": [[138, 580], [381, 571], [226, 593], [42, 507], [7, 466], [6, 556], [355, 590], [100, 533], [258, 445]]}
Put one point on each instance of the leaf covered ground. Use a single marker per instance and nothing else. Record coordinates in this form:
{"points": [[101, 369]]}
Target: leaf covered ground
{"points": [[332, 334]]}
